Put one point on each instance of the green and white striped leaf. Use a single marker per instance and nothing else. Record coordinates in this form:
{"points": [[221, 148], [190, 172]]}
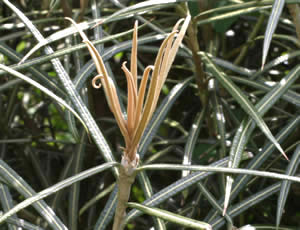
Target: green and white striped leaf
{"points": [[271, 26], [75, 189], [54, 188], [139, 8], [234, 13], [242, 180], [247, 203], [192, 139], [239, 96], [171, 217], [17, 182], [247, 126], [277, 61], [36, 73], [221, 170], [108, 211], [70, 31], [160, 114], [219, 123], [211, 199], [289, 96], [96, 198], [175, 188], [43, 89], [7, 202], [70, 89], [22, 224], [237, 69], [145, 184], [285, 186]]}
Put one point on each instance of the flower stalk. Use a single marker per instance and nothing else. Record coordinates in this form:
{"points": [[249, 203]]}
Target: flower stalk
{"points": [[139, 108]]}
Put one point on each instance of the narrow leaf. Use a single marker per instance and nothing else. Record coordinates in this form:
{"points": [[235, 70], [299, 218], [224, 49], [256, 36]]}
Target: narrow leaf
{"points": [[17, 182], [175, 188], [267, 150], [172, 217], [70, 89], [239, 96], [247, 126], [54, 188], [285, 186], [42, 88], [192, 138], [272, 24], [247, 203]]}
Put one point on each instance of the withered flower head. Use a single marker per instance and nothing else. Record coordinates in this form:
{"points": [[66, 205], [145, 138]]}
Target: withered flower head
{"points": [[139, 110]]}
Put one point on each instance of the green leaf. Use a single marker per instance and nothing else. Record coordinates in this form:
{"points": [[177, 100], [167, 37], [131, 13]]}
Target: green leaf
{"points": [[239, 96], [54, 188], [285, 186], [108, 211], [224, 25], [267, 150], [21, 46], [17, 182], [171, 217], [175, 188], [247, 203], [194, 8], [247, 126], [75, 189], [192, 139], [272, 24], [42, 88], [70, 89]]}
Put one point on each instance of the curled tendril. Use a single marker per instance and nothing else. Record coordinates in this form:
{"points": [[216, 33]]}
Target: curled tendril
{"points": [[94, 83]]}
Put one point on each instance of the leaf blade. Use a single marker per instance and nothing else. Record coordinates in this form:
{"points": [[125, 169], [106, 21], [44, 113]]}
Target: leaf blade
{"points": [[272, 23]]}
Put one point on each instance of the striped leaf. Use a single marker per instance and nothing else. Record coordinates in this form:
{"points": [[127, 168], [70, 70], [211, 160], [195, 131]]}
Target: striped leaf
{"points": [[175, 188], [239, 96], [247, 203], [247, 126], [242, 180], [192, 139], [272, 24], [108, 211], [75, 189], [50, 190], [43, 89], [171, 217], [70, 89], [285, 186], [17, 182]]}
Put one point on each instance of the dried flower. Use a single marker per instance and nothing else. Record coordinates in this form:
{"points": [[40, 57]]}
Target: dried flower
{"points": [[139, 111]]}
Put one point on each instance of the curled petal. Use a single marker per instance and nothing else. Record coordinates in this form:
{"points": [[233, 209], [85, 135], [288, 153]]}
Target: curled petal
{"points": [[94, 81]]}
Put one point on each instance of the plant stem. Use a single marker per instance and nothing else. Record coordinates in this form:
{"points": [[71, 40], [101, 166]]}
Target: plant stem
{"points": [[294, 10], [126, 179], [253, 34]]}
